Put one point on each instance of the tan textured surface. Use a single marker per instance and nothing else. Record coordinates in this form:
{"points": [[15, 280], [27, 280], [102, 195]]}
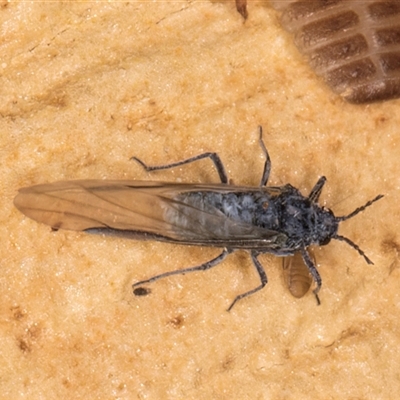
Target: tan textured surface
{"points": [[84, 86]]}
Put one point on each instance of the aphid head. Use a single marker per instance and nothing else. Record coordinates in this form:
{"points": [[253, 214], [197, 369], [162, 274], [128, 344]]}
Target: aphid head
{"points": [[325, 226], [351, 215]]}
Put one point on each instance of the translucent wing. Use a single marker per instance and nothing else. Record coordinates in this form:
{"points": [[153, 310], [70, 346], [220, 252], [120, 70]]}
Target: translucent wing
{"points": [[142, 210]]}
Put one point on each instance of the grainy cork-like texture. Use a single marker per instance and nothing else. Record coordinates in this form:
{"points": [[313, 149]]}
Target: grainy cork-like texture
{"points": [[85, 86]]}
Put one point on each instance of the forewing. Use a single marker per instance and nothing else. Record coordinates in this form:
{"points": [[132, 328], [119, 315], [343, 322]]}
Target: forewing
{"points": [[88, 204], [138, 207]]}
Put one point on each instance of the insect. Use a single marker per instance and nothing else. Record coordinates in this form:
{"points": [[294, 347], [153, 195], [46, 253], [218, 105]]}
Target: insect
{"points": [[354, 45], [297, 275], [276, 220]]}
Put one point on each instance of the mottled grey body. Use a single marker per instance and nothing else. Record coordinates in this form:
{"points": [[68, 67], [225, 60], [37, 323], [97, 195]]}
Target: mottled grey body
{"points": [[284, 210]]}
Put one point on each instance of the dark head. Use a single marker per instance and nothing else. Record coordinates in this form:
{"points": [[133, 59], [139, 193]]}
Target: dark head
{"points": [[325, 225], [329, 231]]}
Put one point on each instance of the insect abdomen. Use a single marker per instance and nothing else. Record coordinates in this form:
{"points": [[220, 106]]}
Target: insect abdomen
{"points": [[354, 45], [243, 209]]}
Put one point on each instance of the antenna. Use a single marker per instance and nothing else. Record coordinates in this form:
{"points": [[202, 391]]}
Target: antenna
{"points": [[359, 209], [351, 215]]}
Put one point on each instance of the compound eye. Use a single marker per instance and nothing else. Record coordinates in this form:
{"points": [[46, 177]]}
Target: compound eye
{"points": [[325, 241]]}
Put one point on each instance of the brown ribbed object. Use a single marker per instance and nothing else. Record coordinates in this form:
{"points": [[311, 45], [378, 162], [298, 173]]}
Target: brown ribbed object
{"points": [[354, 45]]}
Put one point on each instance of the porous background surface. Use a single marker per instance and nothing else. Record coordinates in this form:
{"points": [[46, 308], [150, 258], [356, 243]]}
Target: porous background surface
{"points": [[85, 86]]}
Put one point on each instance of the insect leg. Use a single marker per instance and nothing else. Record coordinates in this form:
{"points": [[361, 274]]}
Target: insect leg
{"points": [[214, 157], [313, 271], [263, 279], [138, 291], [267, 164], [317, 189]]}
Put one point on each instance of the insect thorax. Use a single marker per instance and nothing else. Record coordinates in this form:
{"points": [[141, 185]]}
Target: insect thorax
{"points": [[305, 222]]}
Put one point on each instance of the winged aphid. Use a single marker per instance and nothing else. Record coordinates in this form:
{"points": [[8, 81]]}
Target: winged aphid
{"points": [[261, 219]]}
